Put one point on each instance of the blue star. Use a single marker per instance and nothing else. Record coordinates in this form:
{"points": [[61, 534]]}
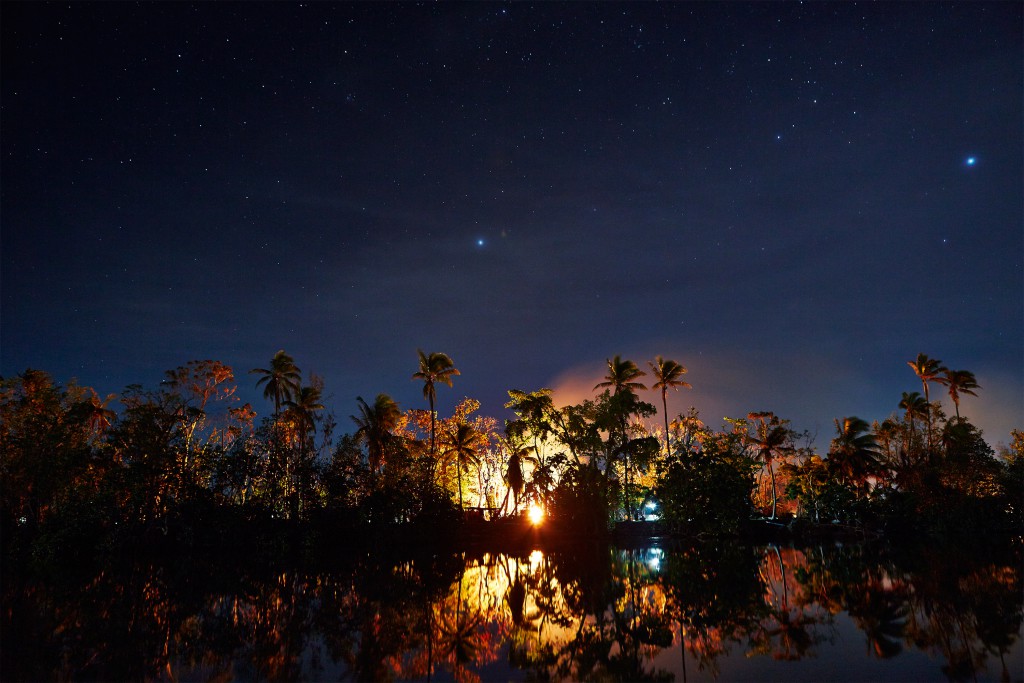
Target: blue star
{"points": [[480, 242], [971, 161]]}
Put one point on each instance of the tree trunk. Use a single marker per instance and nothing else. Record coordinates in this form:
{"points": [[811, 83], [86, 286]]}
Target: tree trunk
{"points": [[433, 446], [664, 406], [458, 468], [928, 415]]}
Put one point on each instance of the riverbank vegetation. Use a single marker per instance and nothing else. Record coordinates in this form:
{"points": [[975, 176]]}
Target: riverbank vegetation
{"points": [[185, 460]]}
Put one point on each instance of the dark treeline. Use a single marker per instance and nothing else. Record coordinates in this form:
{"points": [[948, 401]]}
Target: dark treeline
{"points": [[183, 460]]}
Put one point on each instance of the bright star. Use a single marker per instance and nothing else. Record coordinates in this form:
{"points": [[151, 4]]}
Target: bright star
{"points": [[480, 242], [971, 161]]}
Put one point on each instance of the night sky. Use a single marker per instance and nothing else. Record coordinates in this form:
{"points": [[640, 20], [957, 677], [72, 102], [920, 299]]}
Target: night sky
{"points": [[791, 200]]}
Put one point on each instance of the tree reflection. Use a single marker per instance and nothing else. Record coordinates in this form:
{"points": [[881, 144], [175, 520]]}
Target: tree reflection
{"points": [[580, 613], [788, 632]]}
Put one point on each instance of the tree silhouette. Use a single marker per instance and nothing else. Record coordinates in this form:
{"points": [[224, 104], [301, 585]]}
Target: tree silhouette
{"points": [[300, 418], [914, 406], [302, 411], [928, 370], [519, 454], [854, 450], [667, 372], [770, 440], [375, 427], [280, 381], [621, 376], [436, 367], [462, 445], [960, 382], [621, 379], [98, 415]]}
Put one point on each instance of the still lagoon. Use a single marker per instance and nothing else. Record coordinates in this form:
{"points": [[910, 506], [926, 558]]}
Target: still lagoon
{"points": [[665, 611]]}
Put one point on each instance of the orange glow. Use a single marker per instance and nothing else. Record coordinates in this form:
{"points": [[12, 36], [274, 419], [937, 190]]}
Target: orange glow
{"points": [[535, 513]]}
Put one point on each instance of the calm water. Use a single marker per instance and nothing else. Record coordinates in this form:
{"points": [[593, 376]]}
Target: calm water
{"points": [[708, 612]]}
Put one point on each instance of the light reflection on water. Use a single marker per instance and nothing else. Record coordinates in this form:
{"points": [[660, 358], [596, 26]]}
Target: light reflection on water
{"points": [[686, 613]]}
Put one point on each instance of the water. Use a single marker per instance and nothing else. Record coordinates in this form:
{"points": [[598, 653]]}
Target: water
{"points": [[679, 612]]}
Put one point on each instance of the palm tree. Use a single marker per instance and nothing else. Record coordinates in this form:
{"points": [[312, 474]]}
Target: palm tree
{"points": [[463, 446], [300, 418], [667, 372], [302, 411], [375, 427], [281, 380], [97, 414], [855, 450], [960, 382], [621, 378], [928, 370], [770, 440], [621, 374], [437, 367], [890, 436], [914, 406]]}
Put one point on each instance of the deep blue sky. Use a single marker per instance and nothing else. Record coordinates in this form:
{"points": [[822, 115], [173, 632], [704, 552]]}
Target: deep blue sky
{"points": [[777, 196]]}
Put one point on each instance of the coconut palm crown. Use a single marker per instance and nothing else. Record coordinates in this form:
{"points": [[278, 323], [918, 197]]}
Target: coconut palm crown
{"points": [[621, 376], [668, 373], [280, 381], [434, 368], [960, 382]]}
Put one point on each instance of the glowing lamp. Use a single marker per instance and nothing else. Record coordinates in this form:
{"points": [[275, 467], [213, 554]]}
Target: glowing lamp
{"points": [[535, 513]]}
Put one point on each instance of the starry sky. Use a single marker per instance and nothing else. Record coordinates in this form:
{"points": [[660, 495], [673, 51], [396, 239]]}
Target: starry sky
{"points": [[791, 200]]}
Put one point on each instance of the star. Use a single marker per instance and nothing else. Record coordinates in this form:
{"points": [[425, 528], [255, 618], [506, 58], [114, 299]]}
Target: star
{"points": [[971, 161]]}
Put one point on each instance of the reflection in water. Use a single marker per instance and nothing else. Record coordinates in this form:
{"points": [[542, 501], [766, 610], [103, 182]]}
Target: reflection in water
{"points": [[674, 613]]}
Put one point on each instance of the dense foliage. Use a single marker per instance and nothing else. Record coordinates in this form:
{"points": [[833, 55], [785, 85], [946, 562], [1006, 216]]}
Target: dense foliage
{"points": [[79, 476]]}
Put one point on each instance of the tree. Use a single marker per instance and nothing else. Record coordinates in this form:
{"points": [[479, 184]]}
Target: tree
{"points": [[928, 370], [375, 428], [854, 451], [621, 376], [621, 379], [462, 445], [770, 440], [914, 406], [197, 383], [302, 412], [301, 417], [514, 476], [98, 415], [960, 382], [668, 373], [434, 368], [536, 415], [149, 440], [45, 432], [280, 381], [808, 482], [709, 489]]}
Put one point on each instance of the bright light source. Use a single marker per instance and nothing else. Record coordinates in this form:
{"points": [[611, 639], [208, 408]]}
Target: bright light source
{"points": [[654, 558], [535, 513], [651, 505]]}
